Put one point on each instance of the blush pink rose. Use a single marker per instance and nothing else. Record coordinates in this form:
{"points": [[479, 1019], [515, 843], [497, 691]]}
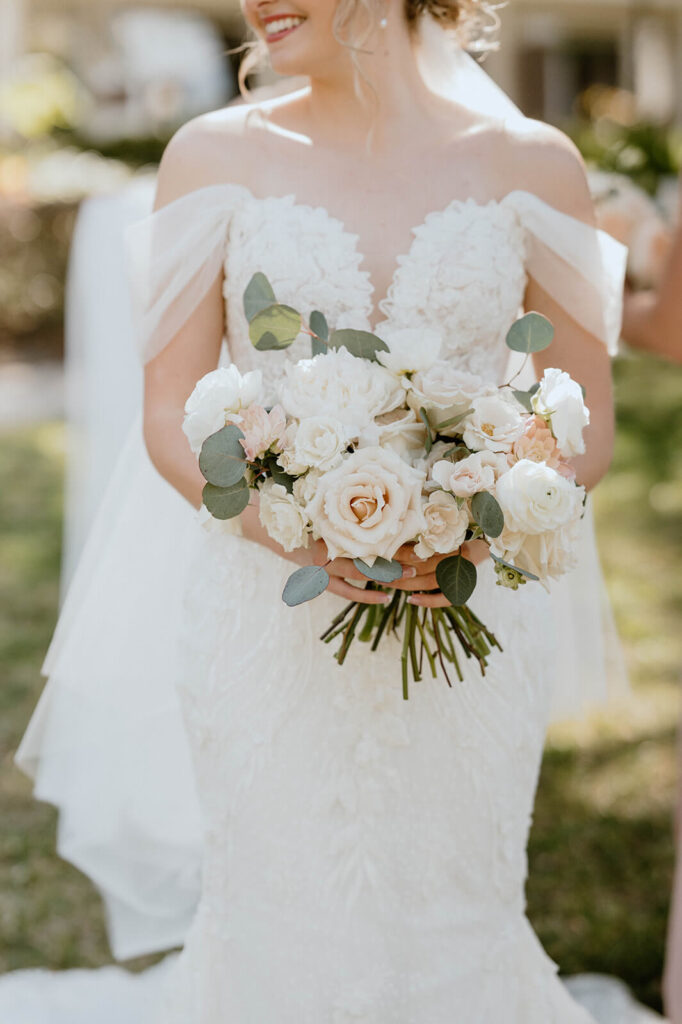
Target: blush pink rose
{"points": [[537, 444], [262, 430]]}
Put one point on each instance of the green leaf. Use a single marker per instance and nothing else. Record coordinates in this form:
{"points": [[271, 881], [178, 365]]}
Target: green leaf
{"points": [[222, 459], [523, 397], [429, 430], [226, 502], [487, 513], [320, 327], [454, 420], [384, 570], [305, 584], [531, 333], [456, 577], [362, 344], [274, 327], [258, 296], [278, 474], [516, 568]]}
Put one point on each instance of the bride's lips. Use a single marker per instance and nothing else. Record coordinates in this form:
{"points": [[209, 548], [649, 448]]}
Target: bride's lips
{"points": [[277, 26]]}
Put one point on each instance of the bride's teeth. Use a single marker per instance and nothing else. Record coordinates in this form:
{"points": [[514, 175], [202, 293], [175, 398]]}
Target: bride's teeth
{"points": [[282, 24]]}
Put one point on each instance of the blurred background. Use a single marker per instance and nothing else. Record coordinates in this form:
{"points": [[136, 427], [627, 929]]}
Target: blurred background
{"points": [[90, 92]]}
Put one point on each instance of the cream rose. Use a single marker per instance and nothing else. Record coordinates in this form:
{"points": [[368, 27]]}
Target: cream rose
{"points": [[410, 349], [560, 400], [282, 516], [217, 399], [369, 505], [446, 526], [305, 487], [320, 442], [444, 392], [535, 498], [466, 477], [338, 385], [494, 424]]}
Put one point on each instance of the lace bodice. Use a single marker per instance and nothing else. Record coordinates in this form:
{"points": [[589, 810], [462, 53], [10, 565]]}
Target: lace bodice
{"points": [[464, 275]]}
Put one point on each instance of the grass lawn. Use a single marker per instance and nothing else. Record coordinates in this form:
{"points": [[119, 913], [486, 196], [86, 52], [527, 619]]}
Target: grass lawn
{"points": [[601, 853]]}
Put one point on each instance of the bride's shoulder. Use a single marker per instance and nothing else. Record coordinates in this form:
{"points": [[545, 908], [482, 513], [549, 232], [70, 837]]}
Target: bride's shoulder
{"points": [[541, 159], [220, 147]]}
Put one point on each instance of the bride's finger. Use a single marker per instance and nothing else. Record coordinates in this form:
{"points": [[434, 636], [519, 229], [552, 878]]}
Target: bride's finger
{"points": [[421, 582], [351, 593], [429, 600]]}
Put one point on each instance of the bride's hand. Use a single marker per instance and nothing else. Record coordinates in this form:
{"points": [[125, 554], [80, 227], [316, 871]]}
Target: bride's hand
{"points": [[475, 551]]}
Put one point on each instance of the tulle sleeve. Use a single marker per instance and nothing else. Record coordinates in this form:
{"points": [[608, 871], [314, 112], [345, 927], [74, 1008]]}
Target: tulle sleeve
{"points": [[174, 255], [581, 267]]}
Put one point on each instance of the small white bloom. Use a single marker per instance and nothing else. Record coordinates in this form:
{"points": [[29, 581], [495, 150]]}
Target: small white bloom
{"points": [[337, 384], [446, 526], [494, 424], [369, 505], [411, 349], [466, 477], [282, 516], [320, 442], [547, 555], [217, 399], [560, 401], [444, 392], [305, 487], [535, 498], [400, 430]]}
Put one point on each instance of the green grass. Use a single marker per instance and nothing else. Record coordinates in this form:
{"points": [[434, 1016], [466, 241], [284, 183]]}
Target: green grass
{"points": [[601, 854]]}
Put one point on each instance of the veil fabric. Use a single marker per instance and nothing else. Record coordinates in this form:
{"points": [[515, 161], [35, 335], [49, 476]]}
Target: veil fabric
{"points": [[106, 744]]}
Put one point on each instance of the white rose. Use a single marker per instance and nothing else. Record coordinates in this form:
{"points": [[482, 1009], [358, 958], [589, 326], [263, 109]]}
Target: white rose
{"points": [[446, 526], [466, 477], [535, 498], [305, 487], [369, 505], [411, 349], [287, 457], [560, 400], [400, 430], [218, 398], [547, 555], [443, 391], [320, 442], [494, 424], [282, 516], [338, 385]]}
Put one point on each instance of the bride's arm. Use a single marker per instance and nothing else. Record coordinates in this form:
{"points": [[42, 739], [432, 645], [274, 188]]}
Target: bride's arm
{"points": [[558, 177]]}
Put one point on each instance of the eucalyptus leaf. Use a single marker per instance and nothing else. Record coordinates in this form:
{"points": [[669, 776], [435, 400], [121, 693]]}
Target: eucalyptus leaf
{"points": [[487, 513], [530, 333], [305, 584], [274, 327], [454, 420], [222, 460], [429, 429], [278, 474], [516, 568], [362, 344], [523, 397], [456, 577], [384, 570], [226, 502], [319, 325], [258, 295]]}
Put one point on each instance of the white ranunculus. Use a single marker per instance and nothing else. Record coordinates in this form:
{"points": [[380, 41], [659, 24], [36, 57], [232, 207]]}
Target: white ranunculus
{"points": [[446, 526], [560, 400], [400, 430], [338, 385], [444, 391], [218, 399], [320, 442], [494, 423], [547, 555], [305, 487], [411, 349], [282, 516], [466, 477], [368, 506], [535, 498]]}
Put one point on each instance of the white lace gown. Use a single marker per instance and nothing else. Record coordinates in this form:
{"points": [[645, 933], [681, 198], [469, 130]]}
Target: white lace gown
{"points": [[364, 856]]}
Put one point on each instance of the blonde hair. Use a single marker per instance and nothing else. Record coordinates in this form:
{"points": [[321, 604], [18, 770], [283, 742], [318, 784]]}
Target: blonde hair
{"points": [[473, 22]]}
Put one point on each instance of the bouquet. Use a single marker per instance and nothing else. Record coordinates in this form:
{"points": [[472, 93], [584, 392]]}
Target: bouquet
{"points": [[378, 442]]}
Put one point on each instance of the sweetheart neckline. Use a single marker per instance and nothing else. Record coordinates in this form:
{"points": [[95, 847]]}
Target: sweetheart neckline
{"points": [[382, 306]]}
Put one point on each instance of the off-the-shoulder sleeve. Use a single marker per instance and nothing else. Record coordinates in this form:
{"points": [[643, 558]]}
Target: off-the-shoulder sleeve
{"points": [[174, 256], [581, 267]]}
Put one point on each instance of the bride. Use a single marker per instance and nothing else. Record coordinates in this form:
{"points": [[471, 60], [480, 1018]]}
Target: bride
{"points": [[364, 857]]}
